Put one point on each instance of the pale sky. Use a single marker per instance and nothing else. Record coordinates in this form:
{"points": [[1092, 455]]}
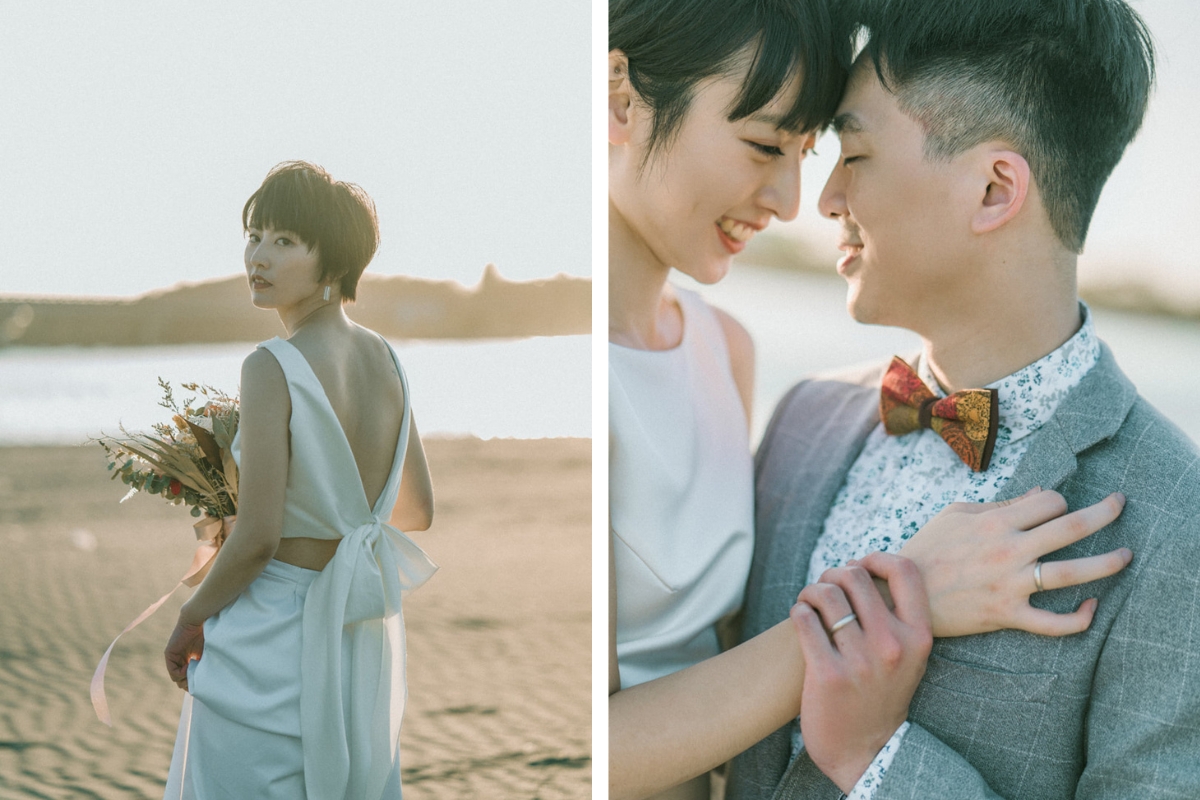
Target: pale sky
{"points": [[132, 133]]}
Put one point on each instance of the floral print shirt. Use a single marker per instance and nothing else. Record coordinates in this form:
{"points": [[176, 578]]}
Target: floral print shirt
{"points": [[899, 483]]}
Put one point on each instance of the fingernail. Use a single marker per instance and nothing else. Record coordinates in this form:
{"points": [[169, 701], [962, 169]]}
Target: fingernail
{"points": [[1126, 554], [1120, 498], [852, 562]]}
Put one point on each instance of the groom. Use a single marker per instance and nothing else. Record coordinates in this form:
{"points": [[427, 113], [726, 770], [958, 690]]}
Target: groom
{"points": [[976, 137]]}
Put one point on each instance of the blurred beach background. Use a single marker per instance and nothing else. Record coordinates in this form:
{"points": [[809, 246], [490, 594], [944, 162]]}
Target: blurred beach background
{"points": [[1139, 272], [133, 133]]}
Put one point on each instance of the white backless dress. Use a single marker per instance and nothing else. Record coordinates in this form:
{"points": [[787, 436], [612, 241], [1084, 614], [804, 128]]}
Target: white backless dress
{"points": [[301, 688]]}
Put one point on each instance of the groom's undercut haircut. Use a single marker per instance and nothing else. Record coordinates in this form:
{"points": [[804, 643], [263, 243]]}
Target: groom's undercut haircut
{"points": [[335, 218], [674, 44], [1063, 82]]}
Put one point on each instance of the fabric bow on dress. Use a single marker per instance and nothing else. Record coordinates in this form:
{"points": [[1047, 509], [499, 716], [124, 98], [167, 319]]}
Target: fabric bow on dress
{"points": [[354, 735]]}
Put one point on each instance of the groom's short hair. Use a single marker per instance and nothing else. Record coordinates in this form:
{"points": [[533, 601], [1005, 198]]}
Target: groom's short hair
{"points": [[1063, 82]]}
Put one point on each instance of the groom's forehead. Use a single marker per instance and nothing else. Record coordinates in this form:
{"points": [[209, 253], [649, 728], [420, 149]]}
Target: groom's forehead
{"points": [[854, 112], [867, 107]]}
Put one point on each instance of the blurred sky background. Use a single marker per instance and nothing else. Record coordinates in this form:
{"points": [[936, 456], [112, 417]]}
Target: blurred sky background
{"points": [[1149, 203], [132, 133]]}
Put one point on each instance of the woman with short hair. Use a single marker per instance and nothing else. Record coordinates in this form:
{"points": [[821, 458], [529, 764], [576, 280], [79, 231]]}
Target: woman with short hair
{"points": [[292, 648]]}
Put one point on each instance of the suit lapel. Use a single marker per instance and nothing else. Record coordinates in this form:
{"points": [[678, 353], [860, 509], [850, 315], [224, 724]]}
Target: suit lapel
{"points": [[1091, 413]]}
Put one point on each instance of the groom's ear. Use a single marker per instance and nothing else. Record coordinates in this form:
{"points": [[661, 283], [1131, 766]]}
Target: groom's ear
{"points": [[620, 98], [1004, 178]]}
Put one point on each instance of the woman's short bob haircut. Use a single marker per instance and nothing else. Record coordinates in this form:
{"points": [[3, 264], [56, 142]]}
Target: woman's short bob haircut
{"points": [[674, 44], [335, 218]]}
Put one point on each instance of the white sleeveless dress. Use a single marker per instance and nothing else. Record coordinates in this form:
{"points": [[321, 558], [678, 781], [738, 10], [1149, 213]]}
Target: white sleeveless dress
{"points": [[681, 496], [300, 690]]}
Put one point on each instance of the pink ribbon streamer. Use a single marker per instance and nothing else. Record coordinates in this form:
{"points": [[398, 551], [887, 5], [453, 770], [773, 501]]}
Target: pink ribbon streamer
{"points": [[211, 533]]}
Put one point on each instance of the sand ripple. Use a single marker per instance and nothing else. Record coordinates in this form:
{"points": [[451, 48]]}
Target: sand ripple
{"points": [[498, 642]]}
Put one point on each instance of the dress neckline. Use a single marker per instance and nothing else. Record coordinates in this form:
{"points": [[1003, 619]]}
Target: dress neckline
{"points": [[678, 348]]}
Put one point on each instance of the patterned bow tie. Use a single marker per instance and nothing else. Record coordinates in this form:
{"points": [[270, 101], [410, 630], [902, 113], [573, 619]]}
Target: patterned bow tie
{"points": [[967, 420]]}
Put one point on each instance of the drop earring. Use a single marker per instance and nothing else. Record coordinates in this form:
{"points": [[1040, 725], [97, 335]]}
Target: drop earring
{"points": [[326, 293]]}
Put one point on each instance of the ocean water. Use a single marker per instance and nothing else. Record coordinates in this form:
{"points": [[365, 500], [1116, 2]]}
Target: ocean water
{"points": [[800, 326], [519, 388]]}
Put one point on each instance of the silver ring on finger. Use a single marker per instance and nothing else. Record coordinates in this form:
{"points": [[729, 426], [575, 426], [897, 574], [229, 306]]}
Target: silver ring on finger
{"points": [[1037, 576], [841, 623]]}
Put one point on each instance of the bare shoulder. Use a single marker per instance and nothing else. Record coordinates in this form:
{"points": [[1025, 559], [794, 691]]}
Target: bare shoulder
{"points": [[741, 357], [740, 346], [737, 338], [262, 377]]}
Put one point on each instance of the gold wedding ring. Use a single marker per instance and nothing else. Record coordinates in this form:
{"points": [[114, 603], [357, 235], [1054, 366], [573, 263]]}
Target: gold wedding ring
{"points": [[1037, 576]]}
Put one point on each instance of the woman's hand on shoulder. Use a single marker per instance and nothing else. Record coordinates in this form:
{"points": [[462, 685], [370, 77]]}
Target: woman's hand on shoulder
{"points": [[741, 358], [980, 562]]}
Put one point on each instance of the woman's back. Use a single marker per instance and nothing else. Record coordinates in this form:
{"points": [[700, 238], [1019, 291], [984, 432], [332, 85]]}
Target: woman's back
{"points": [[360, 380], [361, 386]]}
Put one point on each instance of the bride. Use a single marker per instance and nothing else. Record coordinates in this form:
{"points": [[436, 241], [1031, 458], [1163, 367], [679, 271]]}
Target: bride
{"points": [[292, 648], [712, 108]]}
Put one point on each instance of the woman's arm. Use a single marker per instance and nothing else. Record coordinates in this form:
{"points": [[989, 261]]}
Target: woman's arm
{"points": [[978, 559], [265, 411], [672, 729], [414, 504]]}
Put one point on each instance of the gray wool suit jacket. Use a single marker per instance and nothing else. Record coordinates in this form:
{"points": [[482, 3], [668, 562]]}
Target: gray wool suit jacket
{"points": [[1113, 712]]}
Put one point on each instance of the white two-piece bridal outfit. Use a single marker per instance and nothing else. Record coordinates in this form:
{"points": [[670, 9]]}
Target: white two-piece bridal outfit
{"points": [[681, 496], [300, 689]]}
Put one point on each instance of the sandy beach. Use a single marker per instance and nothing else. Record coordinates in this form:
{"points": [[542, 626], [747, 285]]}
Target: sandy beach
{"points": [[498, 641]]}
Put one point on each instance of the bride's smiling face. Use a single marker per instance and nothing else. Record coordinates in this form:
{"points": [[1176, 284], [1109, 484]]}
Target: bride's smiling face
{"points": [[281, 269], [698, 199]]}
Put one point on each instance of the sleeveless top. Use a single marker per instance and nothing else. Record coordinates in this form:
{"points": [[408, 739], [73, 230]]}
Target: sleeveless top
{"points": [[353, 690], [681, 496]]}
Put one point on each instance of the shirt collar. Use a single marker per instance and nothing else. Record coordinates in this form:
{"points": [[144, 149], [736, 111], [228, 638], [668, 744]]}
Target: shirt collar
{"points": [[1030, 396]]}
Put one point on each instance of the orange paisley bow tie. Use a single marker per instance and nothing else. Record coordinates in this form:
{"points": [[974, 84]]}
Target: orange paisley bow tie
{"points": [[967, 420]]}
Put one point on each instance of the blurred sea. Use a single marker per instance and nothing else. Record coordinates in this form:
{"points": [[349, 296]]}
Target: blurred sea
{"points": [[800, 325], [519, 388]]}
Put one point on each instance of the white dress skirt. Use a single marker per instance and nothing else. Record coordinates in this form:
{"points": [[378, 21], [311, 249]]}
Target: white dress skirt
{"points": [[300, 690], [242, 714]]}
